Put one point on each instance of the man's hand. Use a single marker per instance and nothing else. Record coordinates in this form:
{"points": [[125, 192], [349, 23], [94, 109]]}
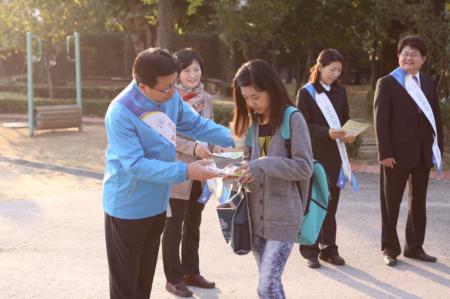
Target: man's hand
{"points": [[389, 162], [198, 171], [335, 134], [217, 149], [202, 151]]}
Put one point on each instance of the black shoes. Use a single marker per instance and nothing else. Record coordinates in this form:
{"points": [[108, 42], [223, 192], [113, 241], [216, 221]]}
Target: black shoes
{"points": [[198, 281], [179, 289], [333, 259], [422, 256], [312, 262], [389, 260]]}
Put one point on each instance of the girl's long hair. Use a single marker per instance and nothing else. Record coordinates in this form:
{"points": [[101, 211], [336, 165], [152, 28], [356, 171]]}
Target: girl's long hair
{"points": [[259, 74]]}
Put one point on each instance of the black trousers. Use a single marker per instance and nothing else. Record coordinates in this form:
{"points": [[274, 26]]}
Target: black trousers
{"points": [[132, 248], [392, 187], [183, 227], [326, 242]]}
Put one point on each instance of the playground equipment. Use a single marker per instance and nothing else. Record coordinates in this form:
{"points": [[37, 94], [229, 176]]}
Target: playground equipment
{"points": [[55, 116]]}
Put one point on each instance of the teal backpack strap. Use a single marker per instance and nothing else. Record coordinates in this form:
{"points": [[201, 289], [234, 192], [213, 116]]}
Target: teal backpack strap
{"points": [[249, 138], [285, 129]]}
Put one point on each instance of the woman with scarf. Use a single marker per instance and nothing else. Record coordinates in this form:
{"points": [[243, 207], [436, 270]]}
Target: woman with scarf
{"points": [[184, 216]]}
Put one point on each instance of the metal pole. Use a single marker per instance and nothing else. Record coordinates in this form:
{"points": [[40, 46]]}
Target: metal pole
{"points": [[78, 72], [30, 83]]}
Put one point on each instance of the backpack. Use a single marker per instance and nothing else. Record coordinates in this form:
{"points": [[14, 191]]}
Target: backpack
{"points": [[316, 206]]}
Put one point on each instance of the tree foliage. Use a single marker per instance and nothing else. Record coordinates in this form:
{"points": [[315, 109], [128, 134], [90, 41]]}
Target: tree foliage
{"points": [[52, 21], [366, 31]]}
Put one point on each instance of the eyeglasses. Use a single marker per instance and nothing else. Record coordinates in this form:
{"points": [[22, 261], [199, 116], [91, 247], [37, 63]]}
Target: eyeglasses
{"points": [[410, 54], [166, 89]]}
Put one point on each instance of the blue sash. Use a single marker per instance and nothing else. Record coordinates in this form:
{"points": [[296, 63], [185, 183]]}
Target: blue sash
{"points": [[310, 88], [135, 101]]}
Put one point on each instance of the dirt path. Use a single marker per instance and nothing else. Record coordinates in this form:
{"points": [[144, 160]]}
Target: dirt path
{"points": [[69, 147]]}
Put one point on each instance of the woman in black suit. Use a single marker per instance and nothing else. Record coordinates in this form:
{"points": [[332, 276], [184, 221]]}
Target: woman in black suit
{"points": [[323, 138]]}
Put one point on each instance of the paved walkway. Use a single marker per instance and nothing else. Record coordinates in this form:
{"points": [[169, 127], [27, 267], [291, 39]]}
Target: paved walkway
{"points": [[52, 236], [52, 246]]}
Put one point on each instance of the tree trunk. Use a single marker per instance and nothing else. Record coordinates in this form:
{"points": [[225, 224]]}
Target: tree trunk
{"points": [[373, 63], [165, 24], [298, 78], [138, 27], [346, 71], [309, 60], [275, 53], [373, 75], [2, 69], [49, 78], [47, 56]]}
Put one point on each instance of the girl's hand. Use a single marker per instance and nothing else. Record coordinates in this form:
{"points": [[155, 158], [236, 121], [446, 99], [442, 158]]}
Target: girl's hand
{"points": [[335, 134], [246, 176], [349, 138]]}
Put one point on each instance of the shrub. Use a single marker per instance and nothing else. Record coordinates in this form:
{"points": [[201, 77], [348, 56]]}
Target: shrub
{"points": [[370, 95], [18, 103], [223, 114], [445, 113], [65, 92], [353, 148]]}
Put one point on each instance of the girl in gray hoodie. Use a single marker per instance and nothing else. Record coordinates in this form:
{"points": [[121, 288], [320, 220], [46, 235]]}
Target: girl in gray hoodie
{"points": [[273, 172]]}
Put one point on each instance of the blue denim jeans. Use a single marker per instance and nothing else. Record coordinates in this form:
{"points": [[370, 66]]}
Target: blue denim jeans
{"points": [[271, 257]]}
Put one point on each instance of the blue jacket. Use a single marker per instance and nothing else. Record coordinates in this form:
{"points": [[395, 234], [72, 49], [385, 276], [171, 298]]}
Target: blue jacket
{"points": [[140, 163]]}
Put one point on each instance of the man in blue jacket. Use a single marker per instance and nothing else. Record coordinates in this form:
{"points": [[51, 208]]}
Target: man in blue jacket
{"points": [[141, 124]]}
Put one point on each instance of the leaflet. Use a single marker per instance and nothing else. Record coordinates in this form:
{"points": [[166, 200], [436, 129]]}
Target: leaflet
{"points": [[354, 128], [230, 170], [229, 155]]}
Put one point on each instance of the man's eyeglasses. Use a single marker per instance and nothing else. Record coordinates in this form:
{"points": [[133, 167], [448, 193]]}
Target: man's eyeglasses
{"points": [[166, 89], [410, 54]]}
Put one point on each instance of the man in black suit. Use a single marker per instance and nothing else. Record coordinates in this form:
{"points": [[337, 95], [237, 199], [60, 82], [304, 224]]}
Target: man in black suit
{"points": [[405, 138]]}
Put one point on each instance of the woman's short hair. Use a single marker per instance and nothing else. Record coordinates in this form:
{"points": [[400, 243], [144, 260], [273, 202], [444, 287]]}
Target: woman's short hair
{"points": [[186, 57]]}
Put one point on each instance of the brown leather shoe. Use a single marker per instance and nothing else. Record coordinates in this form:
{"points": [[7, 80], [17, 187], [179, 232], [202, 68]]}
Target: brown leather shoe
{"points": [[421, 256], [198, 281], [179, 289]]}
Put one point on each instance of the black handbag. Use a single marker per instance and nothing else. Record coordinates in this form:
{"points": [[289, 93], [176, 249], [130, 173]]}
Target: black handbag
{"points": [[235, 223]]}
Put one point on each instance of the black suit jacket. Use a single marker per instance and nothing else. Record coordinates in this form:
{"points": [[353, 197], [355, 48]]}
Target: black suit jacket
{"points": [[324, 148], [402, 131]]}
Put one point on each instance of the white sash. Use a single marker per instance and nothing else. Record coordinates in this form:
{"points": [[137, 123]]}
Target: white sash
{"points": [[332, 119], [420, 99], [162, 124], [327, 109]]}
